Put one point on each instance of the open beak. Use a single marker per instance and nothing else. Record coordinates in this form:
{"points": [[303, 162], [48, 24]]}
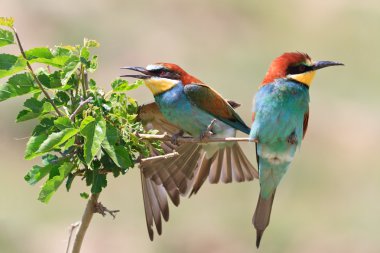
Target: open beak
{"points": [[146, 73], [324, 64]]}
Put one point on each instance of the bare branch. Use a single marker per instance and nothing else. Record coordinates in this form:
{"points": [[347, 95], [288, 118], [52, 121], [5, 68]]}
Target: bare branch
{"points": [[34, 75], [169, 155], [72, 228], [166, 137], [85, 222], [81, 104]]}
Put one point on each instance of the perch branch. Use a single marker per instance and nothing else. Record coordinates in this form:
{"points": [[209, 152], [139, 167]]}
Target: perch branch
{"points": [[169, 155], [167, 137]]}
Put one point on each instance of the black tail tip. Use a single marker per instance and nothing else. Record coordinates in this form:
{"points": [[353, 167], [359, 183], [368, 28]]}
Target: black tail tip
{"points": [[259, 235]]}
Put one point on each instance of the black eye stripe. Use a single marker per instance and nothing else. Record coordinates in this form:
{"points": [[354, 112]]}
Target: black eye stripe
{"points": [[298, 69]]}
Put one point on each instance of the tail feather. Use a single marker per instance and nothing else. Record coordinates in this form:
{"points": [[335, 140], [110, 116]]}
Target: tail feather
{"points": [[203, 172], [227, 172], [238, 171], [249, 171], [160, 178], [155, 204], [216, 167], [262, 216], [227, 163]]}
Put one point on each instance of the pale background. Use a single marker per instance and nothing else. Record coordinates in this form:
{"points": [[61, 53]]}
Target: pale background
{"points": [[329, 199]]}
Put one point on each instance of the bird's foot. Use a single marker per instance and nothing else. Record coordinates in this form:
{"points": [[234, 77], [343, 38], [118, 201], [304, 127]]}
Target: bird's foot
{"points": [[206, 134], [175, 137]]}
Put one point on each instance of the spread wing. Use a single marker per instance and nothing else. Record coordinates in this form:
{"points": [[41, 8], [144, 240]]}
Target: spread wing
{"points": [[212, 102], [165, 178], [168, 177]]}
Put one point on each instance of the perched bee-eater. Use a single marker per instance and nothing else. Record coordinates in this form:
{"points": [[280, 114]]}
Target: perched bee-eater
{"points": [[197, 109], [280, 119]]}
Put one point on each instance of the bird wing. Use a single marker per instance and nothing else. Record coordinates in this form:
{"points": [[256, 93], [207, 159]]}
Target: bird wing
{"points": [[213, 103], [151, 118], [168, 177]]}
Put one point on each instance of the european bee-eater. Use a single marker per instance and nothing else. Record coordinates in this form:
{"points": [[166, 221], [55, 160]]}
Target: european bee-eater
{"points": [[280, 119], [156, 179], [189, 104]]}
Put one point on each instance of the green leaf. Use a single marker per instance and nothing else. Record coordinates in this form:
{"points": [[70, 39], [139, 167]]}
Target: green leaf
{"points": [[93, 64], [39, 145], [53, 183], [25, 115], [46, 125], [94, 132], [99, 181], [10, 64], [6, 21], [85, 53], [17, 85], [33, 145], [37, 172], [69, 181], [69, 69], [84, 195], [33, 104], [55, 139], [35, 108], [63, 123], [38, 52], [120, 85], [119, 155], [6, 38], [90, 43], [46, 56], [112, 134], [48, 80]]}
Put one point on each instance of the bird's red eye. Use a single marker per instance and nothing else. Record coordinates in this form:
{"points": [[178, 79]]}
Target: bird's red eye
{"points": [[301, 68]]}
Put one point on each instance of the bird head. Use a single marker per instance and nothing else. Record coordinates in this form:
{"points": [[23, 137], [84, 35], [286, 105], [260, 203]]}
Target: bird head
{"points": [[295, 66], [160, 77]]}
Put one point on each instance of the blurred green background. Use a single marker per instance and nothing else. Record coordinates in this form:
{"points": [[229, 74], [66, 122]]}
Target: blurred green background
{"points": [[329, 199]]}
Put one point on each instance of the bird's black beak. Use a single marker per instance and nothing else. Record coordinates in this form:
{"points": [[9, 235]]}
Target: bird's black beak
{"points": [[146, 73], [324, 64]]}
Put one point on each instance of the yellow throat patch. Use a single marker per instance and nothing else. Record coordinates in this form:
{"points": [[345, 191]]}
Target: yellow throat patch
{"points": [[305, 78], [159, 85]]}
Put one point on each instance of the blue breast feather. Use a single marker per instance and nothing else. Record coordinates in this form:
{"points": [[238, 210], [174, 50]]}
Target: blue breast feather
{"points": [[279, 111]]}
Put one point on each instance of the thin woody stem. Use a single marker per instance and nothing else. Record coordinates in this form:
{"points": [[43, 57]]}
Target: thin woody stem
{"points": [[85, 222], [34, 75]]}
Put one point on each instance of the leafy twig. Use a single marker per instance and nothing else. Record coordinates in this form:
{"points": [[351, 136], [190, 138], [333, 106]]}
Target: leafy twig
{"points": [[34, 75], [167, 137]]}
